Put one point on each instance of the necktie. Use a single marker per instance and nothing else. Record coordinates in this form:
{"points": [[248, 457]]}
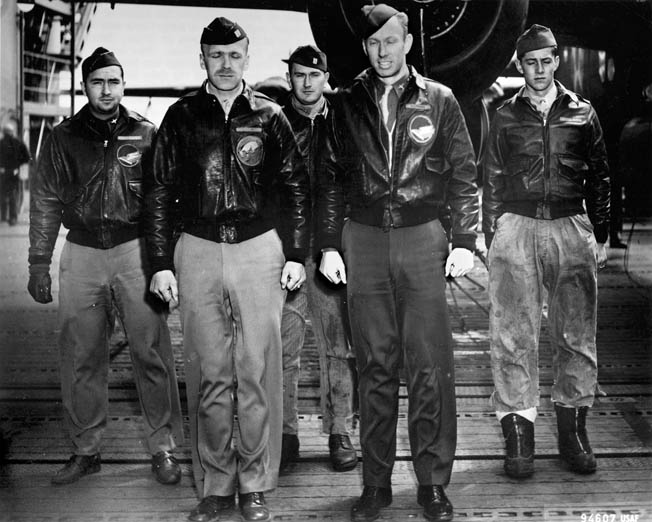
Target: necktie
{"points": [[390, 106]]}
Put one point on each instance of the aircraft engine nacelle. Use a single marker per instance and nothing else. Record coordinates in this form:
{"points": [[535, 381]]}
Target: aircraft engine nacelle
{"points": [[464, 44]]}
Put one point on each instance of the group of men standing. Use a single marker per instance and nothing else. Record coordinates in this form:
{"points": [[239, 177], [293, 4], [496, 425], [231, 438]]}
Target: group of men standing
{"points": [[251, 217]]}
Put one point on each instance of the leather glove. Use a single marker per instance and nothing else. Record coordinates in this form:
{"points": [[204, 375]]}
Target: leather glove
{"points": [[40, 284]]}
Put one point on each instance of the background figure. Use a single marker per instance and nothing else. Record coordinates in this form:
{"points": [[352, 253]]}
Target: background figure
{"points": [[540, 239], [90, 178], [401, 153], [13, 154], [308, 112], [226, 164]]}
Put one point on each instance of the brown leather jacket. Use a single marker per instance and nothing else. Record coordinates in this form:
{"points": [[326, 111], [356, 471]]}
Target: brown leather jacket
{"points": [[546, 167], [90, 179], [433, 163], [226, 180]]}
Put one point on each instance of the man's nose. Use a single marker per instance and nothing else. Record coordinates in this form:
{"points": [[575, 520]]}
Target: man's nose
{"points": [[105, 88]]}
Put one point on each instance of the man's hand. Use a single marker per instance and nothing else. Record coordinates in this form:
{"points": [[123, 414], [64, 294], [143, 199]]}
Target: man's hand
{"points": [[459, 262], [164, 286], [292, 276], [602, 256], [332, 266], [40, 283]]}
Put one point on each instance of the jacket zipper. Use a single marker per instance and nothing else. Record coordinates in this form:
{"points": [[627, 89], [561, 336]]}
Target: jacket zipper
{"points": [[389, 166]]}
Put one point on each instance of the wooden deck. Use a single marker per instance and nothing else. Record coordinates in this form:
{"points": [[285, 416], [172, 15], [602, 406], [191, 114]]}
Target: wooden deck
{"points": [[125, 490]]}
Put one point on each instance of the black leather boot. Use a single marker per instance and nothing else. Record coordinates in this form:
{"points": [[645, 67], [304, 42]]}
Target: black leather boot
{"points": [[574, 447], [519, 445], [289, 450]]}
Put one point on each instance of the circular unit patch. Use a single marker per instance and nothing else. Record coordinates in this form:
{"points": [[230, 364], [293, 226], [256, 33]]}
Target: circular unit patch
{"points": [[250, 150], [128, 155], [421, 129]]}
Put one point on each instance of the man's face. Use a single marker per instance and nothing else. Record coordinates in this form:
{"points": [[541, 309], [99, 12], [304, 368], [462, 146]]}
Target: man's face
{"points": [[538, 69], [307, 83], [225, 64], [387, 49], [104, 89]]}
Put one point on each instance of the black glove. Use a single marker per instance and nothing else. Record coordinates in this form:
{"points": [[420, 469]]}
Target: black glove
{"points": [[40, 284]]}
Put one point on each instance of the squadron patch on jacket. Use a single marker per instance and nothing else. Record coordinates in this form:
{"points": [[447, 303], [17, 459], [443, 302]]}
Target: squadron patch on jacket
{"points": [[421, 129], [250, 150], [128, 155]]}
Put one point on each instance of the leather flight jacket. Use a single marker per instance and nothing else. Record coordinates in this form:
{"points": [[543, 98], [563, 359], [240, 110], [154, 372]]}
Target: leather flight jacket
{"points": [[546, 167], [311, 136], [433, 163], [226, 180], [90, 179]]}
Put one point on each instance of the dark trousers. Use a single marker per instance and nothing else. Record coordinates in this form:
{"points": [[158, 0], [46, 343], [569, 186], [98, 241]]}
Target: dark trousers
{"points": [[399, 316], [9, 197]]}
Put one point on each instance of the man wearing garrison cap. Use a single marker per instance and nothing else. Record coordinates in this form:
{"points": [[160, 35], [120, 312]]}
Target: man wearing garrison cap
{"points": [[309, 114], [228, 173], [545, 219], [90, 179], [401, 153]]}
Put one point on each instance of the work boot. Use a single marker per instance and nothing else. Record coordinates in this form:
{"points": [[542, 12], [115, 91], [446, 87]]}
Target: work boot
{"points": [[253, 507], [76, 468], [289, 450], [574, 447], [342, 452], [519, 445]]}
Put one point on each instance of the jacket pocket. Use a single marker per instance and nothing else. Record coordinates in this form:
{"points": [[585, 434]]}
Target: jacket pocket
{"points": [[571, 168]]}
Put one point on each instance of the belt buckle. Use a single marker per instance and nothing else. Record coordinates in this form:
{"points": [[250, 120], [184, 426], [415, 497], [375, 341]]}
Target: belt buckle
{"points": [[226, 233], [543, 210]]}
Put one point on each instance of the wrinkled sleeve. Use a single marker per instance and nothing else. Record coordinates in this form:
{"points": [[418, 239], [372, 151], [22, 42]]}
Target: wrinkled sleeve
{"points": [[597, 183], [160, 181], [330, 204], [295, 187], [46, 204], [462, 195], [492, 185]]}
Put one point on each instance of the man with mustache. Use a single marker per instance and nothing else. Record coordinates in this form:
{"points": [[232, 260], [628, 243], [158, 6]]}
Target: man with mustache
{"points": [[545, 219], [228, 173], [90, 179]]}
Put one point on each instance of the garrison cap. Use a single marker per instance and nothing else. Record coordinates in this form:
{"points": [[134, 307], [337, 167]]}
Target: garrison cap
{"points": [[374, 17], [536, 37], [222, 31], [101, 57], [309, 56]]}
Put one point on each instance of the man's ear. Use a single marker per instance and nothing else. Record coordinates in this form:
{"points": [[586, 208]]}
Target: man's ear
{"points": [[364, 48], [83, 87], [408, 42], [202, 64]]}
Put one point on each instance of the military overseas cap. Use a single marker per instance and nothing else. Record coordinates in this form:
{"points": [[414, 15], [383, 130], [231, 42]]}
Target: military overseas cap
{"points": [[374, 17], [309, 56], [101, 57], [222, 31], [536, 37]]}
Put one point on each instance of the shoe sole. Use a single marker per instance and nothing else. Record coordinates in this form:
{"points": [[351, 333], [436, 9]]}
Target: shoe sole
{"points": [[346, 467]]}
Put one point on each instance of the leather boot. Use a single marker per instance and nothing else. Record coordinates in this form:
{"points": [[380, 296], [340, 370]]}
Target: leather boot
{"points": [[77, 467], [519, 445], [574, 447], [342, 452], [289, 450], [367, 507]]}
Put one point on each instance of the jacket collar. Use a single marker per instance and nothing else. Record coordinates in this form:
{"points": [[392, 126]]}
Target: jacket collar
{"points": [[368, 77], [248, 94], [561, 92]]}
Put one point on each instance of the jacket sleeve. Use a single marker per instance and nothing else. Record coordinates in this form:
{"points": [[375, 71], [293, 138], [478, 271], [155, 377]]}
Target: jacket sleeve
{"points": [[493, 165], [462, 193], [46, 204], [295, 192], [159, 178], [330, 205], [597, 185]]}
